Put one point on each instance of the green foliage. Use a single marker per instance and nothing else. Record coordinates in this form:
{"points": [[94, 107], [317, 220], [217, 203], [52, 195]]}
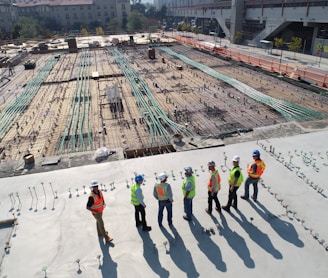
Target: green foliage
{"points": [[195, 30], [162, 13], [84, 32], [238, 37], [113, 25], [16, 31], [185, 27], [295, 45], [26, 28], [151, 12], [135, 21], [138, 7], [100, 31], [278, 42]]}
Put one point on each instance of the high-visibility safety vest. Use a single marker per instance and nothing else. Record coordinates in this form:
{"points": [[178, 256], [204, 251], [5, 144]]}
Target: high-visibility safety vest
{"points": [[192, 192], [218, 178], [98, 202], [134, 198], [232, 177], [259, 171], [161, 189]]}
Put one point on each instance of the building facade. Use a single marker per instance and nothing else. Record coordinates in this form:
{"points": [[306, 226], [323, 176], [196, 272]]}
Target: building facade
{"points": [[8, 16], [256, 20], [66, 13]]}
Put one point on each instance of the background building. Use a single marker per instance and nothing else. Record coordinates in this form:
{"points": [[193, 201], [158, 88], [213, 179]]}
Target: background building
{"points": [[256, 20], [66, 14], [7, 16]]}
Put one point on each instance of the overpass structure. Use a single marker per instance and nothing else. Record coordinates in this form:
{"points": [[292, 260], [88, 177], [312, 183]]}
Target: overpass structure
{"points": [[253, 21]]}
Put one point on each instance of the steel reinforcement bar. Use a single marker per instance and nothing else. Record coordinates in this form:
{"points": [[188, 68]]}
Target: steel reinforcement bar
{"points": [[78, 123], [10, 113], [160, 126], [289, 111]]}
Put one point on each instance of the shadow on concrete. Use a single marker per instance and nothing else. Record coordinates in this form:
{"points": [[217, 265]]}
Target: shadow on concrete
{"points": [[206, 245], [150, 253], [108, 267], [176, 248], [283, 228], [237, 243], [260, 238]]}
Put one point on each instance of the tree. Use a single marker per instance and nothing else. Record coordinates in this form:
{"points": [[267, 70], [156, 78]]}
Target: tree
{"points": [[279, 42], [135, 21], [238, 37], [113, 25], [195, 30], [186, 27], [27, 27], [151, 12], [16, 31], [162, 13], [295, 45], [84, 32], [141, 8], [100, 31]]}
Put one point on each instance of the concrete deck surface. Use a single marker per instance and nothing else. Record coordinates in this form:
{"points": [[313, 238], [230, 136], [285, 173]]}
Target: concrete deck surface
{"points": [[284, 234]]}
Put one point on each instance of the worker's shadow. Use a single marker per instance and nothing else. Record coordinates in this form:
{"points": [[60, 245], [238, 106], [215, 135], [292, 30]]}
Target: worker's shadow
{"points": [[235, 241], [206, 245], [260, 238], [107, 266], [150, 253], [178, 252], [283, 228]]}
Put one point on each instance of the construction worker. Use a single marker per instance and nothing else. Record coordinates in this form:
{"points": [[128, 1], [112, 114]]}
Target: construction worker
{"points": [[163, 193], [139, 205], [96, 205], [213, 188], [255, 171], [188, 191], [235, 180]]}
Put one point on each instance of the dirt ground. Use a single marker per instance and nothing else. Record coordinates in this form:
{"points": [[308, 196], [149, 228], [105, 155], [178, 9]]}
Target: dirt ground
{"points": [[209, 107]]}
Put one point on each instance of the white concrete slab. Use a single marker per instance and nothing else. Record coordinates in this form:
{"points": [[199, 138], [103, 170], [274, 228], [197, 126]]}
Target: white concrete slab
{"points": [[274, 237]]}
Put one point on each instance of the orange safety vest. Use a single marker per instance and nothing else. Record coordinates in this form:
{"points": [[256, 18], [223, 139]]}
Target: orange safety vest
{"points": [[259, 171], [98, 202], [162, 192], [209, 185]]}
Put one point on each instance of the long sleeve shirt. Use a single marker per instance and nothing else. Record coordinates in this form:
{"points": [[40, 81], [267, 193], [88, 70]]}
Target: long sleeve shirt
{"points": [[140, 197]]}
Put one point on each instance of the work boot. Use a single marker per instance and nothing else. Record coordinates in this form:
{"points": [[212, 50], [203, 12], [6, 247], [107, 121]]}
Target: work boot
{"points": [[146, 228], [207, 211], [244, 197], [108, 239], [219, 210], [226, 208]]}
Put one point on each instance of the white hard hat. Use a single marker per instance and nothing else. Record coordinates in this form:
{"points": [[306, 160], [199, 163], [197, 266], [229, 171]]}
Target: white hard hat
{"points": [[236, 158], [188, 170], [162, 176], [94, 183]]}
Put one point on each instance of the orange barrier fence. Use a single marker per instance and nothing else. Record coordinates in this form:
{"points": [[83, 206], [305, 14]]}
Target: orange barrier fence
{"points": [[292, 71]]}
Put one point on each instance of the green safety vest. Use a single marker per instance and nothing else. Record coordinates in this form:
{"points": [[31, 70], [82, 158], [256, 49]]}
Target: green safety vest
{"points": [[232, 177], [134, 199], [192, 192]]}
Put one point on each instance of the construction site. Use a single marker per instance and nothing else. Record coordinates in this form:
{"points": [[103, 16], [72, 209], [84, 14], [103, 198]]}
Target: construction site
{"points": [[141, 100]]}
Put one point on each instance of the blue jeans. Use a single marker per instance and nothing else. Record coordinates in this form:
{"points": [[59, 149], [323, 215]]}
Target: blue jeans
{"points": [[249, 181], [188, 208], [161, 205]]}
